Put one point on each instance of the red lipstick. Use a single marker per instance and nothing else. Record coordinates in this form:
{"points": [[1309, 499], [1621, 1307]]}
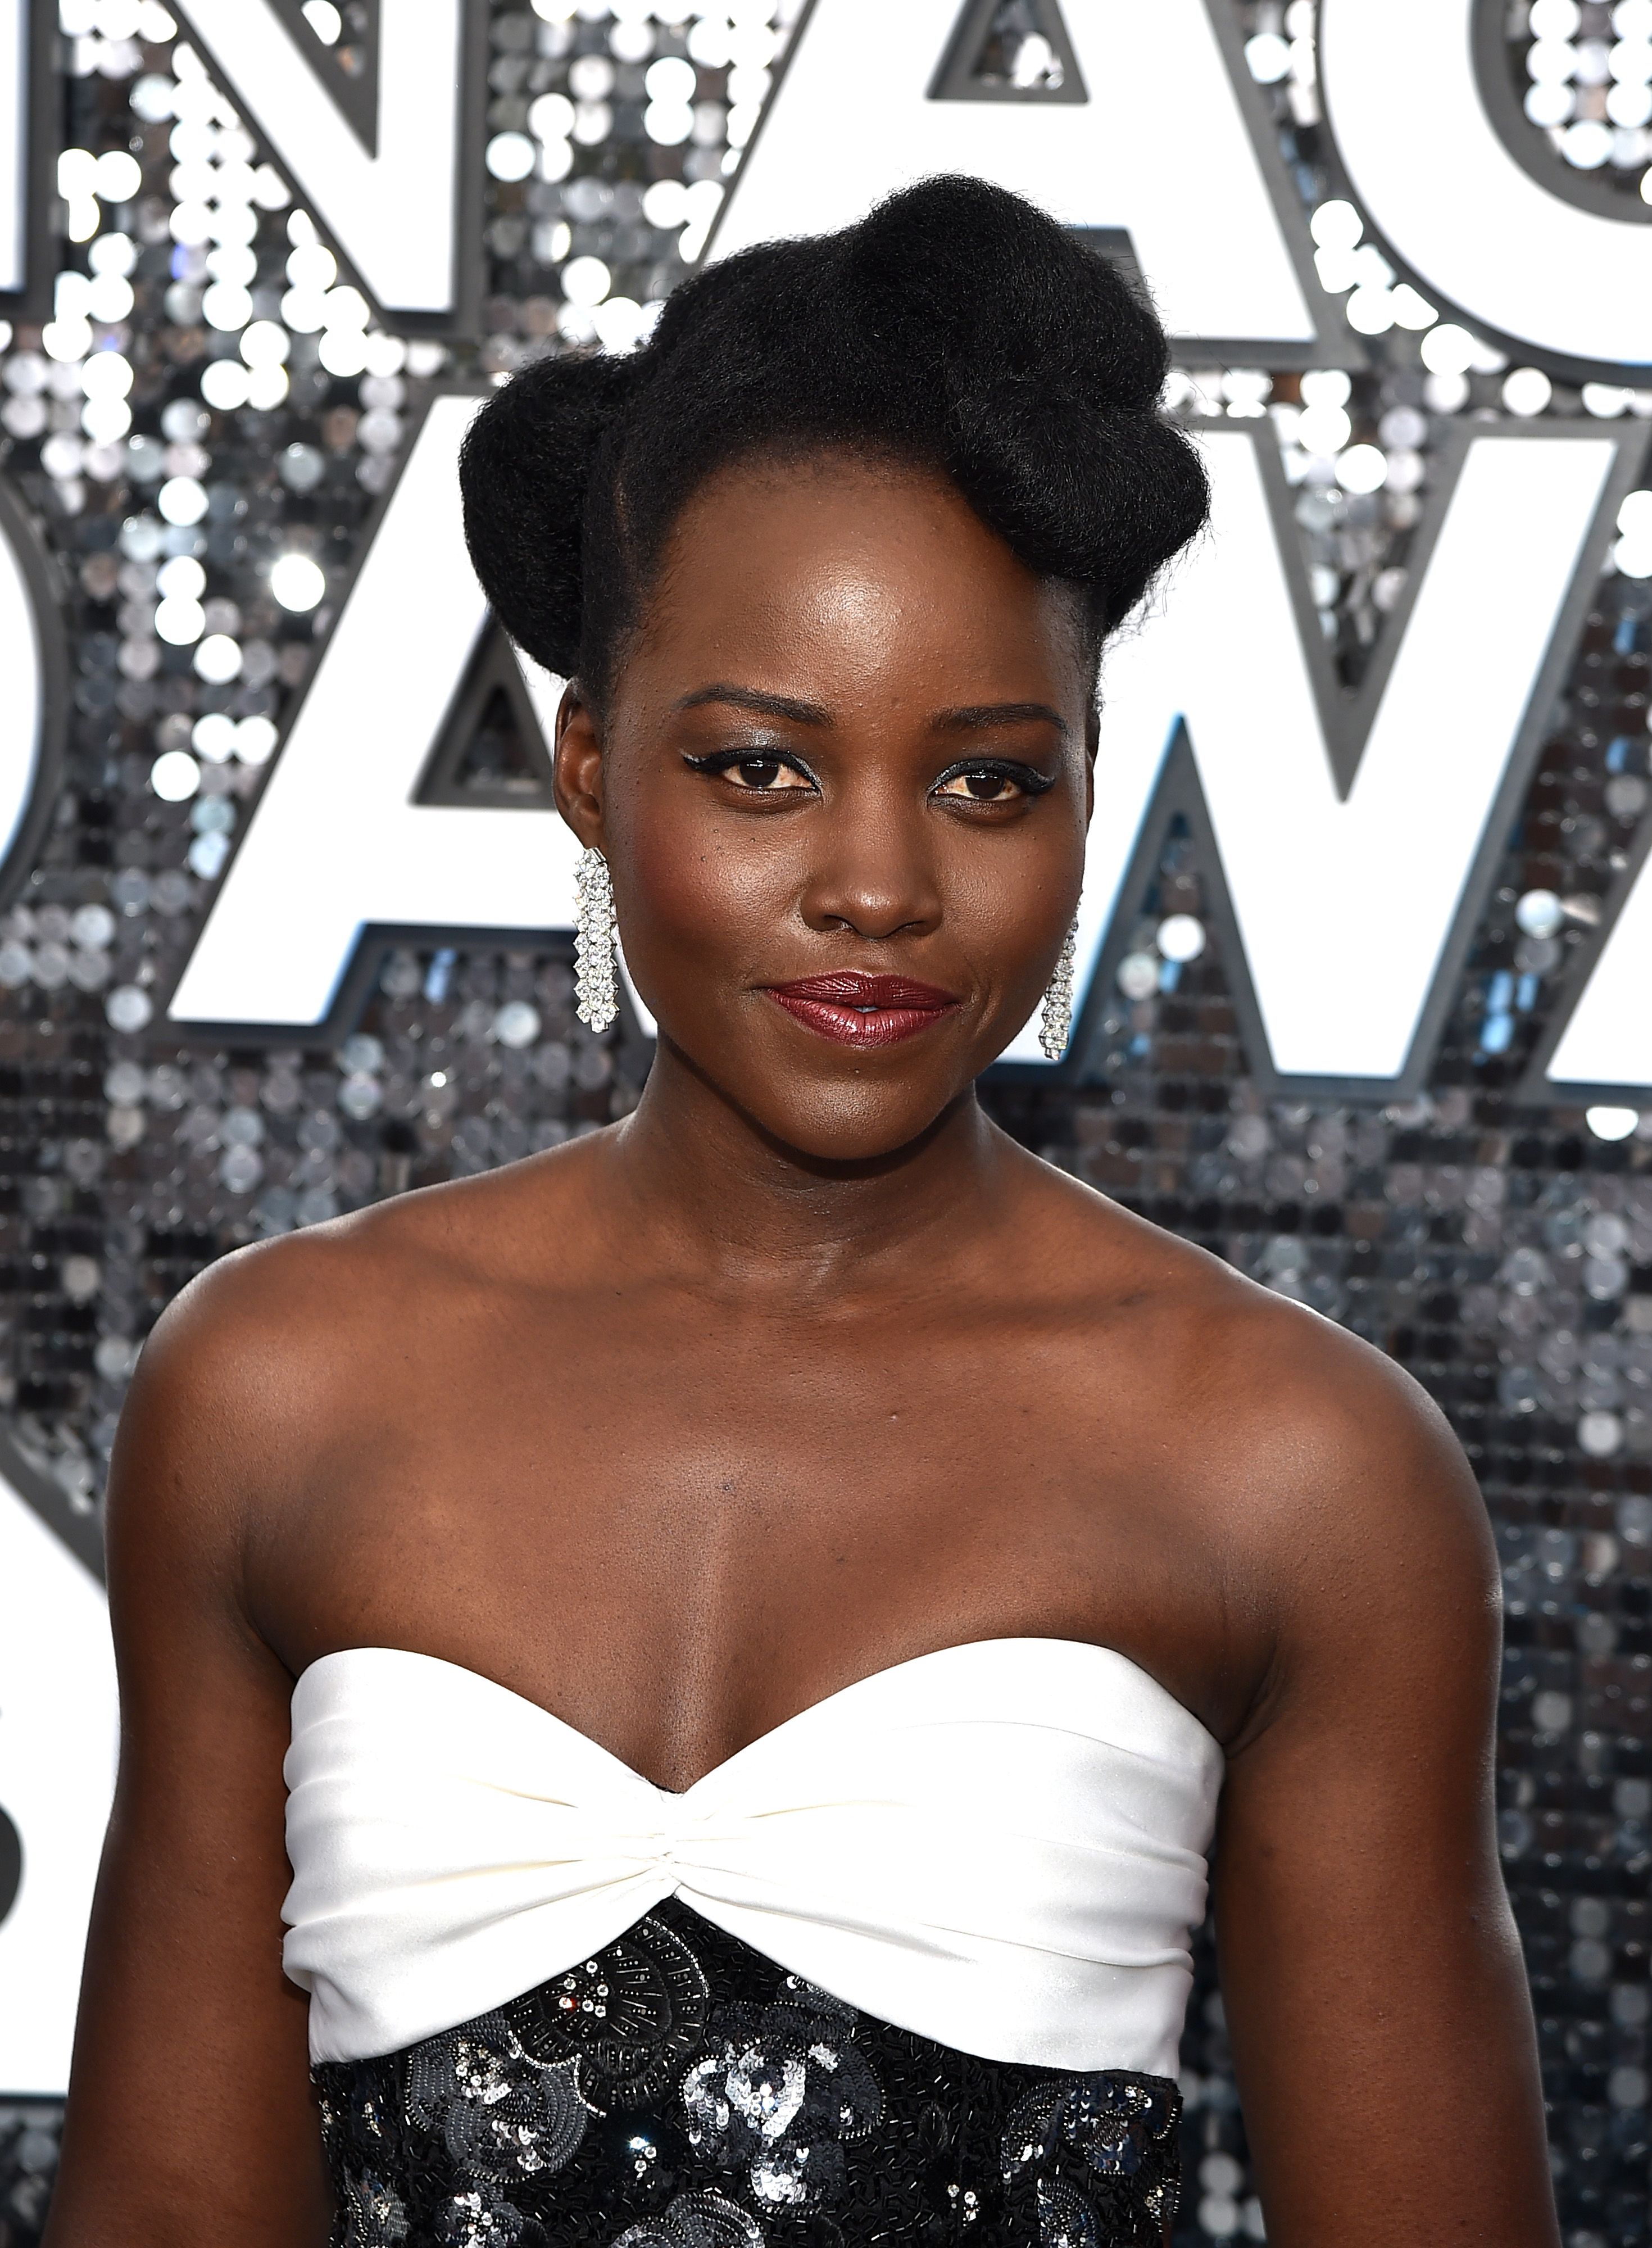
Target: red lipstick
{"points": [[863, 1011]]}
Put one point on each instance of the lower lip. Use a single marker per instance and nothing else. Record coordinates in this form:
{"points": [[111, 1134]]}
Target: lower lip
{"points": [[878, 1026]]}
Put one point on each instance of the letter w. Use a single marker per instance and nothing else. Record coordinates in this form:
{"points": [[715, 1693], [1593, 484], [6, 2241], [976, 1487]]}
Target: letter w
{"points": [[1353, 835]]}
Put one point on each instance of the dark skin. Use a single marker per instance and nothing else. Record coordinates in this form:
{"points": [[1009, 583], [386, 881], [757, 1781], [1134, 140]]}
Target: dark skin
{"points": [[801, 1371]]}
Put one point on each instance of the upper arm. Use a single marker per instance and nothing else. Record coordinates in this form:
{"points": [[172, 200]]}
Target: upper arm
{"points": [[1372, 1976], [190, 2118]]}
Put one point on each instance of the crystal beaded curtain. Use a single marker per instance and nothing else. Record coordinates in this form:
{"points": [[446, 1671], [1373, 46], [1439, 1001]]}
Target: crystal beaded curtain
{"points": [[201, 478]]}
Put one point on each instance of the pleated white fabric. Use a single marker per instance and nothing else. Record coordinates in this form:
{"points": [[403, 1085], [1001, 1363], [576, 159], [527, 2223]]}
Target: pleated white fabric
{"points": [[999, 1846]]}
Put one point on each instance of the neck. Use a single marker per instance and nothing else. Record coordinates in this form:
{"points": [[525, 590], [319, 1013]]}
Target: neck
{"points": [[703, 1180]]}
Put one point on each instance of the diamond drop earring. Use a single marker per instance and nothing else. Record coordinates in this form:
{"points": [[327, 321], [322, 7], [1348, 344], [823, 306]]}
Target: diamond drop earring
{"points": [[1055, 1022], [595, 1001]]}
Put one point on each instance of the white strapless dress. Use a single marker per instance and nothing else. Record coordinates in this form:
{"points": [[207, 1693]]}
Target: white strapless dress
{"points": [[1000, 1846]]}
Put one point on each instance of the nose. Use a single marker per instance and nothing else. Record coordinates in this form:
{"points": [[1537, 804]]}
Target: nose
{"points": [[872, 876]]}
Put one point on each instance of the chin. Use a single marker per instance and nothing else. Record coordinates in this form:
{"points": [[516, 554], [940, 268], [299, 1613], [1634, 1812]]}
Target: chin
{"points": [[811, 1097], [858, 1124]]}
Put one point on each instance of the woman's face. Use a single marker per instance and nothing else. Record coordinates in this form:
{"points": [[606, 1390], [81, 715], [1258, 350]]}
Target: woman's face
{"points": [[842, 783]]}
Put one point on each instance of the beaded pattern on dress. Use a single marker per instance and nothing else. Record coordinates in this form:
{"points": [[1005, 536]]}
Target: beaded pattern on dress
{"points": [[679, 2090]]}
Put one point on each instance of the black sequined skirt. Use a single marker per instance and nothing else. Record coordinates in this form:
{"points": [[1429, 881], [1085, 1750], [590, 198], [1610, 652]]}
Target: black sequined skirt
{"points": [[679, 2090]]}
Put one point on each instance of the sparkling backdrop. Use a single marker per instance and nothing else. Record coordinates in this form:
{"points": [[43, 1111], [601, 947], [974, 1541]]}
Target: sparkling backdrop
{"points": [[202, 428], [1584, 75]]}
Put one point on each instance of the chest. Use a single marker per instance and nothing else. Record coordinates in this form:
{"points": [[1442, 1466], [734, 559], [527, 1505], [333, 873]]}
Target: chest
{"points": [[674, 1532]]}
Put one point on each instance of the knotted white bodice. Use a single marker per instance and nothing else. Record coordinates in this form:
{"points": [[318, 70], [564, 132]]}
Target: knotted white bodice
{"points": [[999, 1846]]}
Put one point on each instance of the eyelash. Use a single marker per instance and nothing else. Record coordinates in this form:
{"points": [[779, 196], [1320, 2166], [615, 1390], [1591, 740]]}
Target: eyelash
{"points": [[1027, 778], [720, 761]]}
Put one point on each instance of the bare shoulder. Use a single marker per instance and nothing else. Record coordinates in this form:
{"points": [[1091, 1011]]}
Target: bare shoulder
{"points": [[1364, 1503], [1332, 1439], [1328, 1476], [255, 1363], [1344, 1512]]}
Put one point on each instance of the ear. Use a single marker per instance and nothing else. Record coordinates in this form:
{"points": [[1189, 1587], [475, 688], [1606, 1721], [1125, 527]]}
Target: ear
{"points": [[1092, 741], [577, 767]]}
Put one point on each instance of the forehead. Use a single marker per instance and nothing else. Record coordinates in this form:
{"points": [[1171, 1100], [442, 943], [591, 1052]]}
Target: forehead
{"points": [[875, 573]]}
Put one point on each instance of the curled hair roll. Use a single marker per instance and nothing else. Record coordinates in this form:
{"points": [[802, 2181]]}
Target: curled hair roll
{"points": [[956, 326], [525, 474]]}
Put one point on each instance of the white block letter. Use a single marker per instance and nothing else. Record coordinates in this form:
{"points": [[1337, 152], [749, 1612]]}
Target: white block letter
{"points": [[1344, 903], [57, 1766], [32, 666], [1607, 1044], [392, 213], [14, 145], [1453, 202], [853, 118], [337, 841]]}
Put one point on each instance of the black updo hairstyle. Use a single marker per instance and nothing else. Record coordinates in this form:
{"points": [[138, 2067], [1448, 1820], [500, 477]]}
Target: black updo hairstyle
{"points": [[956, 327]]}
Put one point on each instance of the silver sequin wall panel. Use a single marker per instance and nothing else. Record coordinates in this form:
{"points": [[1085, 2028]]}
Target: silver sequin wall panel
{"points": [[1501, 1252]]}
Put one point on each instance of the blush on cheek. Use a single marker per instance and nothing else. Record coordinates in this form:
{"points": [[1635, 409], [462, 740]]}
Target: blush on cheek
{"points": [[1007, 928], [698, 918]]}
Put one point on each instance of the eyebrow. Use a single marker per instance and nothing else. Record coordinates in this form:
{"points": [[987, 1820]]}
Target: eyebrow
{"points": [[968, 720], [749, 698], [974, 717]]}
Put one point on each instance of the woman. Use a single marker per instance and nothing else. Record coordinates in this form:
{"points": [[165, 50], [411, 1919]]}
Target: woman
{"points": [[773, 1588]]}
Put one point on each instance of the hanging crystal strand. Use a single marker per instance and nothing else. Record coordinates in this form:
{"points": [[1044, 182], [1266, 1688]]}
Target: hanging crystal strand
{"points": [[595, 999], [1055, 1023]]}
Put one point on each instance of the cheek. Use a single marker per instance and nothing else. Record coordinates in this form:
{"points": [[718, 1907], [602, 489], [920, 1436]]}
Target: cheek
{"points": [[686, 891], [1010, 896], [1004, 934]]}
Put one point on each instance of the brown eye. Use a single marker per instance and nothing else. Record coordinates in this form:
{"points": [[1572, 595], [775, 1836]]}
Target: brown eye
{"points": [[985, 786], [764, 773]]}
